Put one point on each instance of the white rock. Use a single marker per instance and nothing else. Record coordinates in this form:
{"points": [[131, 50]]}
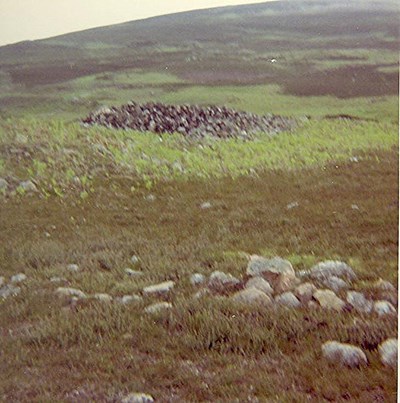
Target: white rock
{"points": [[288, 299], [128, 299], [18, 278], [73, 268], [218, 278], [197, 278], [304, 292], [70, 292], [138, 398], [329, 300], [28, 186], [260, 266], [359, 302], [158, 307], [261, 284], [384, 308], [334, 283], [251, 296], [331, 268], [103, 297], [205, 205], [388, 352], [9, 290], [163, 287], [57, 279], [135, 259], [292, 205], [133, 273], [344, 354]]}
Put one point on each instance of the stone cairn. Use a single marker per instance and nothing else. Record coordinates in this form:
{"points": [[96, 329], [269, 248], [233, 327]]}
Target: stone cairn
{"points": [[190, 120]]}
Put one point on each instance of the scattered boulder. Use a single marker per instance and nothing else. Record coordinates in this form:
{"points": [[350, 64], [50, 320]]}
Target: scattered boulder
{"points": [[251, 296], [261, 284], [70, 292], [9, 290], [331, 268], [285, 282], [128, 299], [288, 299], [358, 301], [344, 354], [383, 308], [18, 278], [161, 288], [158, 307], [304, 292], [205, 205], [73, 268], [334, 283], [388, 352], [329, 300], [28, 186], [270, 269], [103, 297], [222, 281], [197, 278], [138, 398], [133, 273]]}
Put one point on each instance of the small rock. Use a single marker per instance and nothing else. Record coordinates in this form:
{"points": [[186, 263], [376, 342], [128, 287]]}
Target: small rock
{"points": [[128, 299], [292, 205], [331, 268], [359, 302], [269, 268], [329, 300], [150, 198], [135, 259], [205, 205], [70, 292], [18, 278], [220, 279], [161, 288], [383, 308], [251, 296], [73, 268], [355, 207], [57, 279], [28, 186], [388, 352], [287, 299], [344, 354], [133, 273], [158, 307], [197, 278], [334, 283], [285, 282], [202, 293], [3, 184], [261, 284], [103, 297], [9, 290], [138, 398], [304, 292], [384, 285]]}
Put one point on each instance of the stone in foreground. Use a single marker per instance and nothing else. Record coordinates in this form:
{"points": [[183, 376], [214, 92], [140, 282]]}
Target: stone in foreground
{"points": [[329, 300], [158, 307], [344, 354], [161, 288], [138, 398], [70, 292], [384, 308], [359, 302], [251, 296], [388, 352], [261, 284], [288, 299], [331, 268]]}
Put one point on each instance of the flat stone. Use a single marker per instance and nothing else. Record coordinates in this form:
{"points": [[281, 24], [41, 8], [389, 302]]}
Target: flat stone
{"points": [[358, 301], [344, 354], [161, 288], [73, 268], [9, 290], [304, 292], [197, 278], [103, 297], [268, 268], [388, 352], [329, 300], [158, 307], [334, 283], [288, 299], [70, 292], [251, 296], [384, 308], [331, 268], [138, 398], [261, 284], [129, 299], [18, 278], [28, 186], [133, 273]]}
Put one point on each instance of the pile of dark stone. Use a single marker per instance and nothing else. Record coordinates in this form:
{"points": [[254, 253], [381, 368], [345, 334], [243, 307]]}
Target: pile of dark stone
{"points": [[189, 120]]}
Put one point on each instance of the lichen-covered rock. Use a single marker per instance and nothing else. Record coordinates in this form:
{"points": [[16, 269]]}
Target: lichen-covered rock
{"points": [[334, 283], [285, 282], [28, 186], [133, 273], [384, 308], [344, 354], [288, 299], [329, 300], [358, 301], [331, 268], [304, 292], [388, 352], [222, 281], [18, 278], [197, 278], [251, 296], [270, 269], [261, 284], [160, 288], [9, 290]]}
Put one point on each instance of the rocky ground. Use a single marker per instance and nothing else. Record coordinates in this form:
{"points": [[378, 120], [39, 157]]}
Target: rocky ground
{"points": [[189, 120]]}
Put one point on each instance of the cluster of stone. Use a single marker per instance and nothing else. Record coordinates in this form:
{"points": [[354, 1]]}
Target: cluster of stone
{"points": [[190, 120]]}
